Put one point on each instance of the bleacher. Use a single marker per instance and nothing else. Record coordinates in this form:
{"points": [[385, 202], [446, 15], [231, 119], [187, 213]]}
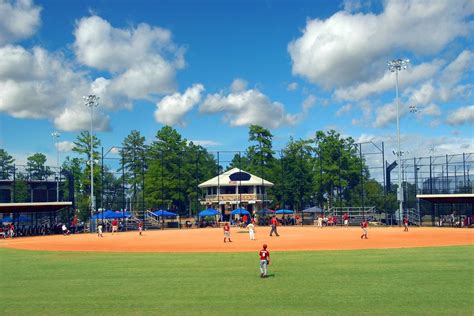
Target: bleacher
{"points": [[356, 214]]}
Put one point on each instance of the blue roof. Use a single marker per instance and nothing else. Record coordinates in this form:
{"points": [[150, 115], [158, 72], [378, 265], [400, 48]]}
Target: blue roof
{"points": [[283, 211], [240, 211], [209, 212], [164, 213]]}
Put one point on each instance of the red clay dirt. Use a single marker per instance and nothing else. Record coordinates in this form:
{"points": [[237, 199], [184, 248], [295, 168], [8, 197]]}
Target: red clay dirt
{"points": [[211, 240]]}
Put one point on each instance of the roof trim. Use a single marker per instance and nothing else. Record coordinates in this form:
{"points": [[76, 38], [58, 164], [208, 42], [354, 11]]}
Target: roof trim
{"points": [[33, 207], [447, 198]]}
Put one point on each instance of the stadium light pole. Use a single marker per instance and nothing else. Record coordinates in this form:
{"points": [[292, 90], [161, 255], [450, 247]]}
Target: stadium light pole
{"points": [[55, 136], [395, 66], [92, 101]]}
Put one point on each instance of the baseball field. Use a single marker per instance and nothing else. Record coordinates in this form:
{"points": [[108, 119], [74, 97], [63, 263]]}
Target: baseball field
{"points": [[173, 272]]}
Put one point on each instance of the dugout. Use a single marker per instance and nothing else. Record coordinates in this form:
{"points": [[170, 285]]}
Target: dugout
{"points": [[448, 209], [35, 218]]}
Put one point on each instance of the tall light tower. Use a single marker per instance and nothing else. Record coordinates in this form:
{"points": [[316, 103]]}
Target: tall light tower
{"points": [[92, 101], [55, 136], [395, 66]]}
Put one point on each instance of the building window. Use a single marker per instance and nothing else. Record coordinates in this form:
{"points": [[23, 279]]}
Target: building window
{"points": [[227, 190], [246, 190]]}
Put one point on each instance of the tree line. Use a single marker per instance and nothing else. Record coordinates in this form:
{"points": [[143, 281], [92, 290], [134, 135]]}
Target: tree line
{"points": [[326, 170]]}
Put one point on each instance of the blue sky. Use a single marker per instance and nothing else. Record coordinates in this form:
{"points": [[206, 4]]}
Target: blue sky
{"points": [[212, 68]]}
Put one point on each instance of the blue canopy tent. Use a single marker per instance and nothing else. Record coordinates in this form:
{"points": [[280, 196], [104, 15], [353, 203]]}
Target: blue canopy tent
{"points": [[265, 211], [209, 212], [19, 219], [283, 211], [240, 211], [164, 213], [119, 214], [103, 214], [108, 214]]}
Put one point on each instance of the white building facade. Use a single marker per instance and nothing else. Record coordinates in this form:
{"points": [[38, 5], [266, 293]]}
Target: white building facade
{"points": [[233, 189]]}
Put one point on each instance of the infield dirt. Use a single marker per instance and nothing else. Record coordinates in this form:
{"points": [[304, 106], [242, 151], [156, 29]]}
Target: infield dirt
{"points": [[211, 240]]}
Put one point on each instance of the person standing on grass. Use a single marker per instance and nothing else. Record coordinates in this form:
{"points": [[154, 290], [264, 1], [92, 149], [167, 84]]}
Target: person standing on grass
{"points": [[364, 226], [227, 231], [405, 223], [251, 229], [274, 223], [264, 261]]}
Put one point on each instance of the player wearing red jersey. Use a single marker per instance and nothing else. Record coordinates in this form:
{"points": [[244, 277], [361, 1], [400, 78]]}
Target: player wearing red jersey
{"points": [[405, 223], [264, 261], [364, 226], [227, 232], [114, 226], [140, 228], [345, 217], [274, 223]]}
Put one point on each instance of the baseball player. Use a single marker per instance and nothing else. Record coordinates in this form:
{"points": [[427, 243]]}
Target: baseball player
{"points": [[227, 232], [264, 261], [274, 226], [364, 226], [114, 226], [405, 223], [99, 230], [345, 217], [140, 228], [251, 229]]}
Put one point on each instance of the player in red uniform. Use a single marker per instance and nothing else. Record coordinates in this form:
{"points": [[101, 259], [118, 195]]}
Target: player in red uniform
{"points": [[405, 223], [345, 217], [364, 226], [114, 226], [264, 261], [227, 231], [274, 223], [140, 227]]}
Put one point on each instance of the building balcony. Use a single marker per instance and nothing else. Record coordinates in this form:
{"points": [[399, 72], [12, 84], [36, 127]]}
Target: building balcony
{"points": [[234, 198]]}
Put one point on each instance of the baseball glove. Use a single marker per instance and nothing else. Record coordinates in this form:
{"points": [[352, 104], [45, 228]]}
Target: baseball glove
{"points": [[268, 262]]}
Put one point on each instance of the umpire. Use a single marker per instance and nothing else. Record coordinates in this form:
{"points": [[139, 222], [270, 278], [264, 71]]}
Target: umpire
{"points": [[274, 226]]}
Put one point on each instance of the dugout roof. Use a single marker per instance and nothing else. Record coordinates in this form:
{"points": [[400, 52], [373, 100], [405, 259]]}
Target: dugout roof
{"points": [[447, 198], [33, 207]]}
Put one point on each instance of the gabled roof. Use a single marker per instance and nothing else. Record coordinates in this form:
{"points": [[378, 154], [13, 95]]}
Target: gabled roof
{"points": [[224, 179]]}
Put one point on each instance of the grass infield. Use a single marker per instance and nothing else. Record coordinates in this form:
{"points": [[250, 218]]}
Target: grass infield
{"points": [[422, 281]]}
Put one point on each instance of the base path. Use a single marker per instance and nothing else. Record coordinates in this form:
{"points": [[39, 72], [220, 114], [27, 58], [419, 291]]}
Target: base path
{"points": [[211, 240]]}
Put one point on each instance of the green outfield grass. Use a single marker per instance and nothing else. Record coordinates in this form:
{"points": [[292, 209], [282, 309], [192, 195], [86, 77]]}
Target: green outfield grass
{"points": [[396, 281]]}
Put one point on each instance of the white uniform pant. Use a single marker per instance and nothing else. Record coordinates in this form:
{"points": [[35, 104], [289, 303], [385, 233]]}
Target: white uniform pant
{"points": [[252, 234], [263, 267]]}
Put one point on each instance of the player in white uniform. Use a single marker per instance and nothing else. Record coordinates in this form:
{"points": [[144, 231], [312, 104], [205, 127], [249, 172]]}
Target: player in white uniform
{"points": [[251, 229]]}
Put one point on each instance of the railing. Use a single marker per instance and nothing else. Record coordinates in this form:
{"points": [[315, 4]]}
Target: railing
{"points": [[244, 197]]}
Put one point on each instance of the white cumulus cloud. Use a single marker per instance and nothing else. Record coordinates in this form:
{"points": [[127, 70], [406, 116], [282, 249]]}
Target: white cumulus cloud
{"points": [[18, 20], [463, 115], [142, 60], [344, 109], [248, 107], [64, 146], [347, 48], [36, 84], [172, 108], [387, 82]]}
